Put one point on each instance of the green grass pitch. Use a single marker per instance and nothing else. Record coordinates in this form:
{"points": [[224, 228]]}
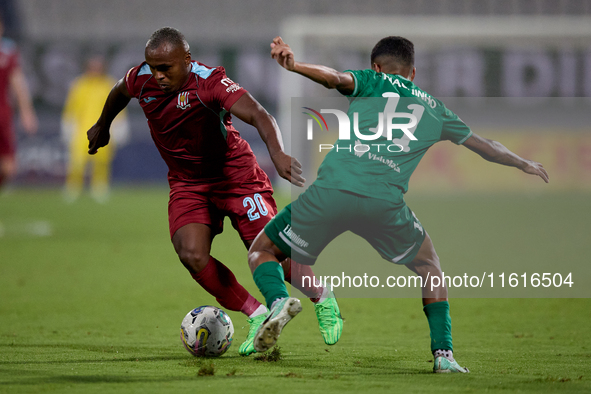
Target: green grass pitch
{"points": [[92, 296]]}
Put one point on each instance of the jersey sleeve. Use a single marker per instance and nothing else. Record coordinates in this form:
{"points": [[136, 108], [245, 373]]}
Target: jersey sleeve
{"points": [[454, 129], [220, 91], [361, 78], [131, 79]]}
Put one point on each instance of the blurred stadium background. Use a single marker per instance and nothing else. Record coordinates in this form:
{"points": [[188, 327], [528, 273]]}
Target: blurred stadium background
{"points": [[534, 48], [93, 295]]}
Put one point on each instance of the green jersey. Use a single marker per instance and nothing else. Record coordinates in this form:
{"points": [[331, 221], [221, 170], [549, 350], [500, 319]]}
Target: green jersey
{"points": [[392, 125]]}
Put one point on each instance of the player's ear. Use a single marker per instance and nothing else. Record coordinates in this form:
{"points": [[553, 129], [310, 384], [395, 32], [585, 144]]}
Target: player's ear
{"points": [[376, 67], [412, 75], [188, 58]]}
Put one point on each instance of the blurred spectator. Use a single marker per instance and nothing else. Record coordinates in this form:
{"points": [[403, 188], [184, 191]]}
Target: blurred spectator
{"points": [[12, 79], [83, 107]]}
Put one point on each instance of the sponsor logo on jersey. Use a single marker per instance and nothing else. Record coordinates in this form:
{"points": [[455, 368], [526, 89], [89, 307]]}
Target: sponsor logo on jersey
{"points": [[183, 101], [361, 149], [231, 86], [148, 99], [294, 238]]}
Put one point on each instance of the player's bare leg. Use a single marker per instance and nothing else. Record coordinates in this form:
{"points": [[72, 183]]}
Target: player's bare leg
{"points": [[426, 265], [192, 243], [7, 171], [7, 168], [101, 176], [436, 307], [75, 176]]}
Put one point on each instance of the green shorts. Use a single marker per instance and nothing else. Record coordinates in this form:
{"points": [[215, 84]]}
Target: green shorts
{"points": [[304, 228]]}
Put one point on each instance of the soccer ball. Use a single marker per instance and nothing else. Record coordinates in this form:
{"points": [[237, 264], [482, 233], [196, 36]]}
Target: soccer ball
{"points": [[207, 332]]}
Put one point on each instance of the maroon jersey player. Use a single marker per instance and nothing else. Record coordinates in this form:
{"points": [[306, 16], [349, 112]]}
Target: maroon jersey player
{"points": [[12, 79], [207, 159], [213, 172]]}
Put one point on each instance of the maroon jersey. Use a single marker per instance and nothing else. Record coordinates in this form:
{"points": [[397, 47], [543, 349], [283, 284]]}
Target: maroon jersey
{"points": [[193, 130], [8, 62]]}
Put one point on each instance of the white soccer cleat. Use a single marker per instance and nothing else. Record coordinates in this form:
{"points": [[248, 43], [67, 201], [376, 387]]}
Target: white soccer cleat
{"points": [[283, 311], [444, 365]]}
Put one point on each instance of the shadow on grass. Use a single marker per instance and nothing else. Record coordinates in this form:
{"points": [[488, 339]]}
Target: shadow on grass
{"points": [[118, 379], [93, 379], [112, 354]]}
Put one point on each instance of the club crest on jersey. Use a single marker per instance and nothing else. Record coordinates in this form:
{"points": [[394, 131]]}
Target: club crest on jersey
{"points": [[183, 100]]}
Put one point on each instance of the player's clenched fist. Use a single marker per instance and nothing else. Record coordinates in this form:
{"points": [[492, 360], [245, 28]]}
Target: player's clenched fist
{"points": [[281, 52], [97, 138]]}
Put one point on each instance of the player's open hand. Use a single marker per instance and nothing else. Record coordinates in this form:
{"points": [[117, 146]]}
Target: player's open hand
{"points": [[98, 137], [535, 168], [29, 122], [281, 52], [289, 168]]}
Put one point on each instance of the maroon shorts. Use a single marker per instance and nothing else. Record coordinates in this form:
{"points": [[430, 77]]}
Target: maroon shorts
{"points": [[249, 213]]}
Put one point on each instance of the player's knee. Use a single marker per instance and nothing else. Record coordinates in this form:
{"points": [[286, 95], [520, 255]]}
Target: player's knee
{"points": [[193, 258], [258, 257], [426, 264], [254, 258]]}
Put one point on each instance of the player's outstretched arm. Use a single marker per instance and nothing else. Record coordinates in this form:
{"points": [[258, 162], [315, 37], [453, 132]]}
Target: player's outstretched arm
{"points": [[497, 153], [326, 76], [18, 85], [98, 134], [247, 109]]}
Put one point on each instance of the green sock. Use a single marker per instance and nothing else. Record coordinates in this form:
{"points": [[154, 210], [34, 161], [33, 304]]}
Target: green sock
{"points": [[440, 325], [270, 281]]}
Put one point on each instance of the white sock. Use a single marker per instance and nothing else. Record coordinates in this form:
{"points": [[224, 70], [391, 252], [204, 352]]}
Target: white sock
{"points": [[324, 295], [259, 311], [449, 354]]}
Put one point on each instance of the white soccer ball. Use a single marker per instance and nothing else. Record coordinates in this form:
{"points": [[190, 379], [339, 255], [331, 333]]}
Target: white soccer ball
{"points": [[207, 331]]}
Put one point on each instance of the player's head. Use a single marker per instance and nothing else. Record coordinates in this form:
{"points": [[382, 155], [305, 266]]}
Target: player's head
{"points": [[394, 55], [168, 55], [95, 64]]}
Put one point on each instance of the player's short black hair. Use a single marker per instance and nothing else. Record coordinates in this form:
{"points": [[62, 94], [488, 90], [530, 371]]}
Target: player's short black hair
{"points": [[400, 49], [168, 35]]}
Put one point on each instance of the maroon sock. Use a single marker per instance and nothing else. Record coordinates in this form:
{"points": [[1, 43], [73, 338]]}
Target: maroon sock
{"points": [[220, 282], [293, 275]]}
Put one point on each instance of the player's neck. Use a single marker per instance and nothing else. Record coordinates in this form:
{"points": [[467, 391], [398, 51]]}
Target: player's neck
{"points": [[403, 73], [185, 80], [394, 70]]}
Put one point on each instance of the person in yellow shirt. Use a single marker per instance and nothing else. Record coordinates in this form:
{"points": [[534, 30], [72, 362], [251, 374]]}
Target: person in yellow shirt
{"points": [[83, 106]]}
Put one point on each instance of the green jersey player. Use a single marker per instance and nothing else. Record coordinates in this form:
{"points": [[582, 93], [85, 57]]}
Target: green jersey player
{"points": [[360, 188]]}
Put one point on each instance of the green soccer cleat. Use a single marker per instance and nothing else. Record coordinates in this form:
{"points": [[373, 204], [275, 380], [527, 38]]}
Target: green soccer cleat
{"points": [[330, 321], [283, 311], [444, 365], [247, 347]]}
